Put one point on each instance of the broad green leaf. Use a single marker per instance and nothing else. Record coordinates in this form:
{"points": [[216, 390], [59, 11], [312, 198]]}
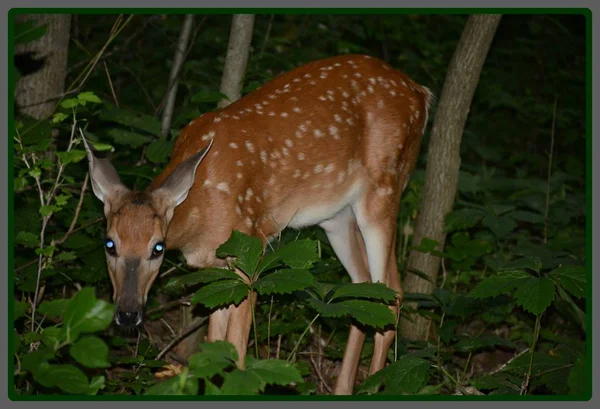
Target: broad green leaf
{"points": [[52, 337], [535, 294], [139, 121], [90, 351], [284, 282], [35, 132], [273, 371], [221, 293], [210, 389], [241, 382], [89, 96], [474, 344], [497, 381], [531, 263], [526, 216], [500, 283], [269, 261], [299, 254], [132, 139], [214, 358], [365, 312], [208, 96], [499, 225], [19, 309], [373, 383], [206, 275], [28, 31], [246, 249], [220, 349], [428, 245], [69, 103], [572, 278], [96, 384], [72, 156], [375, 291], [27, 239], [86, 314], [67, 377], [37, 361], [578, 377], [407, 375], [462, 219], [578, 312], [541, 363], [159, 151]]}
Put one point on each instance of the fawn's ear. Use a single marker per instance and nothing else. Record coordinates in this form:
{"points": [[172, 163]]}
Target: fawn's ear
{"points": [[106, 183], [177, 185]]}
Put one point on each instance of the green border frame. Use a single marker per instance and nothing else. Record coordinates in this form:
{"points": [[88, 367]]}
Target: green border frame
{"points": [[479, 10]]}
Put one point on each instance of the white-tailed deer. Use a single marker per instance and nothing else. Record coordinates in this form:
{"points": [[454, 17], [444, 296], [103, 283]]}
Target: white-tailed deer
{"points": [[331, 143]]}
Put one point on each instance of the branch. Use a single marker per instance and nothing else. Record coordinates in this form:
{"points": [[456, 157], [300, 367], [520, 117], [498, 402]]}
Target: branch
{"points": [[180, 337]]}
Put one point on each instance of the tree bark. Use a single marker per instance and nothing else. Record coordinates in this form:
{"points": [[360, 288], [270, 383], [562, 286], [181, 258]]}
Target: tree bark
{"points": [[34, 90], [443, 159], [184, 39], [236, 60]]}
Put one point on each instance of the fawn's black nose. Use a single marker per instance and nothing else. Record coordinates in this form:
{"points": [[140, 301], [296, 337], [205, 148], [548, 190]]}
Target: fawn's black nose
{"points": [[128, 318]]}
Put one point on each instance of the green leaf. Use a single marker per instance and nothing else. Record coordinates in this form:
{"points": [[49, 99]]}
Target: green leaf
{"points": [[206, 275], [177, 385], [27, 239], [500, 380], [67, 377], [535, 294], [214, 358], [499, 225], [130, 119], [89, 96], [246, 249], [572, 278], [474, 344], [69, 103], [208, 96], [132, 139], [531, 263], [86, 314], [90, 351], [159, 150], [210, 389], [59, 117], [462, 219], [299, 254], [365, 312], [35, 132], [525, 216], [28, 31], [500, 283], [375, 291], [578, 377], [73, 156], [19, 309], [221, 293], [542, 363], [407, 375], [241, 382], [373, 383], [52, 337], [578, 312], [273, 371], [284, 282]]}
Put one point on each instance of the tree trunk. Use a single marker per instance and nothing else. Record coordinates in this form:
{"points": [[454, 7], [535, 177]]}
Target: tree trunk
{"points": [[182, 44], [35, 90], [443, 160], [237, 57]]}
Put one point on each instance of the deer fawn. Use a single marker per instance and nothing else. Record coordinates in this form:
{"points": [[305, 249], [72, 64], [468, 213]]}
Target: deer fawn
{"points": [[331, 143]]}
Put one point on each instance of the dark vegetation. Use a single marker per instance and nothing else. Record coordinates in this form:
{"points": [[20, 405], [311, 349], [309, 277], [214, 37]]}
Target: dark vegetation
{"points": [[513, 278]]}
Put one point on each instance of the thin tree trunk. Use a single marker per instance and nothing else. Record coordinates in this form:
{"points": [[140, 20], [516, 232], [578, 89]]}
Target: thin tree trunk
{"points": [[443, 160], [236, 60], [34, 89], [184, 39]]}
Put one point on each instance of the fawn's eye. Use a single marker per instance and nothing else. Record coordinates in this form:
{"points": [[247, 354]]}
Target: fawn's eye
{"points": [[110, 246], [158, 249]]}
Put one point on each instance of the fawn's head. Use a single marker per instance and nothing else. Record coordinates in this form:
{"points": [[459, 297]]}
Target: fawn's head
{"points": [[136, 230]]}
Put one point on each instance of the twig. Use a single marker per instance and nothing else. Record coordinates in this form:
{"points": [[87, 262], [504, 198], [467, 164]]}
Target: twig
{"points": [[549, 172], [112, 89], [181, 336], [536, 333], [77, 211], [182, 301], [319, 374]]}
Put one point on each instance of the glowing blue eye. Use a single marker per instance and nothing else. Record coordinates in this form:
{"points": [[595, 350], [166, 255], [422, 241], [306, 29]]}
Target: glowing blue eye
{"points": [[158, 249], [110, 247]]}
